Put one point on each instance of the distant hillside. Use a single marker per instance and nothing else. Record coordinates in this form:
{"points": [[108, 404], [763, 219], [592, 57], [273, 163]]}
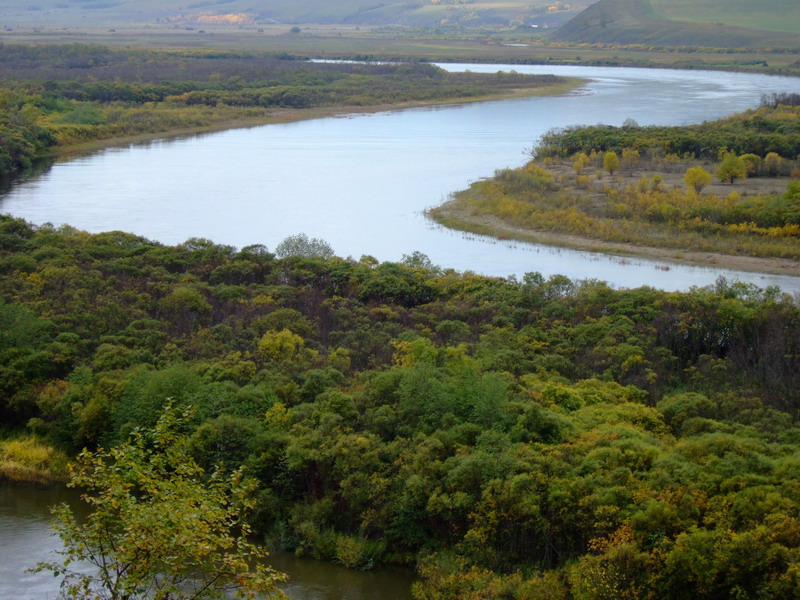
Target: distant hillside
{"points": [[712, 23], [425, 13]]}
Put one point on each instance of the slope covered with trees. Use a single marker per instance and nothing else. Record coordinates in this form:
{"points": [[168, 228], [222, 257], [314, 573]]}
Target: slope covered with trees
{"points": [[539, 438]]}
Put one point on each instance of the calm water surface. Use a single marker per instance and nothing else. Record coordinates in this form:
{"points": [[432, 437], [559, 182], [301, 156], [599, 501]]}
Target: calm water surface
{"points": [[361, 182], [26, 539]]}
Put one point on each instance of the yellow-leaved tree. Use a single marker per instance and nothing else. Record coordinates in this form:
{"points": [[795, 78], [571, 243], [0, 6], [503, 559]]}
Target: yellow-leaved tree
{"points": [[697, 178], [610, 162], [160, 527]]}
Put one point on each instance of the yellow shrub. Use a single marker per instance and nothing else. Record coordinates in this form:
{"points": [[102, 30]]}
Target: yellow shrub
{"points": [[27, 459]]}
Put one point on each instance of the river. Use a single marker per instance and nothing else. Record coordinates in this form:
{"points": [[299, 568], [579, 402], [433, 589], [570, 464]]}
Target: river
{"points": [[26, 539], [362, 181]]}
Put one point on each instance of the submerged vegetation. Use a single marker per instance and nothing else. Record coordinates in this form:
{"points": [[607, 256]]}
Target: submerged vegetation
{"points": [[651, 186], [57, 96], [534, 438]]}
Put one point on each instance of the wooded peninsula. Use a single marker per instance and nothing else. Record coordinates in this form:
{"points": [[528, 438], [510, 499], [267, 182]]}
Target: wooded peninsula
{"points": [[725, 191]]}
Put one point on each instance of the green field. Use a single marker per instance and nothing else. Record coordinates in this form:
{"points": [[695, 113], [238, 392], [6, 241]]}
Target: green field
{"points": [[768, 15], [427, 13], [700, 23], [707, 23], [706, 34]]}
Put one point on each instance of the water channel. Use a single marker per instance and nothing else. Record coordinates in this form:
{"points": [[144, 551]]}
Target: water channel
{"points": [[362, 182], [26, 539]]}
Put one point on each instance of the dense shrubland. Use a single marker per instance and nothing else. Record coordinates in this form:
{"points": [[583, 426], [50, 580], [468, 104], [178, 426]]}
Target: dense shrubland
{"points": [[65, 95], [534, 438], [760, 131], [630, 185]]}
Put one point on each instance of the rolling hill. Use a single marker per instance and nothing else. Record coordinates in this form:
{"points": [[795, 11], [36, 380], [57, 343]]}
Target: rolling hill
{"points": [[710, 23], [422, 13]]}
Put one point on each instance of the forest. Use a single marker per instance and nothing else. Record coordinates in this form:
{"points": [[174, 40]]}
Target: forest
{"points": [[728, 186], [56, 96], [531, 438]]}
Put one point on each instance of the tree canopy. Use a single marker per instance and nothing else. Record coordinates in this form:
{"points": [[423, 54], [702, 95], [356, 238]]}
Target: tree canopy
{"points": [[521, 438]]}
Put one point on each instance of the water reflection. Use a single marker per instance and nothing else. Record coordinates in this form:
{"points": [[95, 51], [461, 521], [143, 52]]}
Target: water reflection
{"points": [[27, 539], [314, 580]]}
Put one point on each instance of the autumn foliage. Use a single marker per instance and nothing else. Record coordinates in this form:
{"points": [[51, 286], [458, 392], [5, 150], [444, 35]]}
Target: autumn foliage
{"points": [[518, 438]]}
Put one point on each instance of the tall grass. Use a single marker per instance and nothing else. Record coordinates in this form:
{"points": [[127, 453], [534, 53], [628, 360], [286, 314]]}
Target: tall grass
{"points": [[29, 460]]}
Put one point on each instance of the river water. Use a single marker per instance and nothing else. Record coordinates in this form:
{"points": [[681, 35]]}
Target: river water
{"points": [[26, 539], [362, 182]]}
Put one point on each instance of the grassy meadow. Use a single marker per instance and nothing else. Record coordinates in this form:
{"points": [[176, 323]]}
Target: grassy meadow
{"points": [[775, 15], [428, 13], [661, 23]]}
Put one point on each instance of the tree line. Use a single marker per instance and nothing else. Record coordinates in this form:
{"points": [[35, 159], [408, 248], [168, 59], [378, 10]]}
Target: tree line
{"points": [[515, 438], [759, 131]]}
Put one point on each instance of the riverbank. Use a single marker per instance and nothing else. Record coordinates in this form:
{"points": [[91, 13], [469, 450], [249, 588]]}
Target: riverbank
{"points": [[27, 460], [291, 115], [650, 192], [458, 215]]}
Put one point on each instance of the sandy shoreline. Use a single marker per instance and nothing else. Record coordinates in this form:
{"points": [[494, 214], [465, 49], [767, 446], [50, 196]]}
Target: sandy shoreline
{"points": [[450, 214]]}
